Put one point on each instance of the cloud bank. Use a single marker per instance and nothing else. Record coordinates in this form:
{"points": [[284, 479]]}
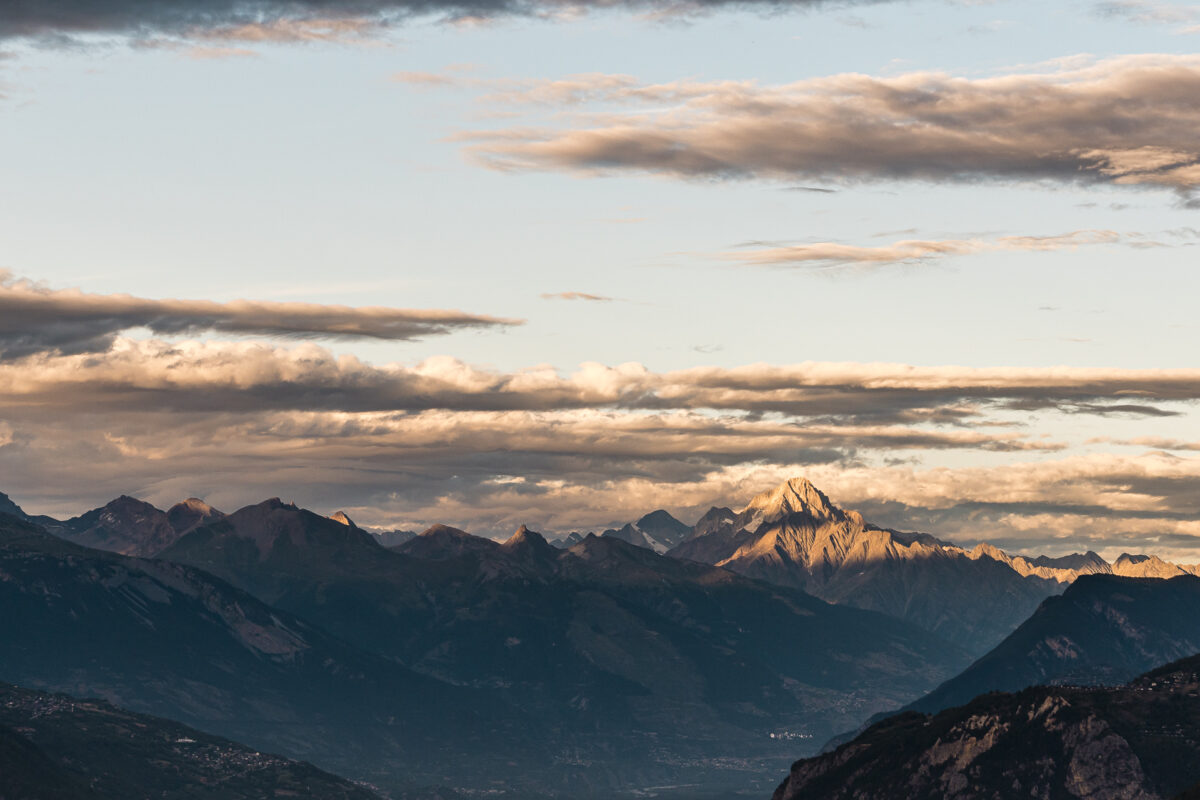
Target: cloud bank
{"points": [[1127, 121], [35, 319], [487, 450]]}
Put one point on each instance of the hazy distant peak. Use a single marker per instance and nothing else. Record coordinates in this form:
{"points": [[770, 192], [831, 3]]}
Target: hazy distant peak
{"points": [[796, 496]]}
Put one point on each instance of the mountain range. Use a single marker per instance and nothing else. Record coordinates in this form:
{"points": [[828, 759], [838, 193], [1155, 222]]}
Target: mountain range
{"points": [[635, 661], [595, 666], [457, 660]]}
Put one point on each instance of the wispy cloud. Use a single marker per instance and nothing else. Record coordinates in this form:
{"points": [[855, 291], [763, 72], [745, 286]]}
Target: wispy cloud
{"points": [[1184, 18], [36, 319], [595, 298], [834, 254], [1126, 121]]}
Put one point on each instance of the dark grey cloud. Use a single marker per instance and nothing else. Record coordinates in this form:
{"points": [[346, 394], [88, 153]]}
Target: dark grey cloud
{"points": [[278, 19], [34, 319]]}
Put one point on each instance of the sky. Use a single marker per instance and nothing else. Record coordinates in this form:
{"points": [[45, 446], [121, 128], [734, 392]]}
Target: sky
{"points": [[489, 263]]}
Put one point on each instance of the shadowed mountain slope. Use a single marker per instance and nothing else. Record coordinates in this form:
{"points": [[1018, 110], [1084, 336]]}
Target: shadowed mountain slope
{"points": [[171, 640], [57, 747], [1136, 742], [1104, 629]]}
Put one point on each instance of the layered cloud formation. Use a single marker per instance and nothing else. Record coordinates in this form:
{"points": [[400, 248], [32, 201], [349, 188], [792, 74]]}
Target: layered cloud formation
{"points": [[1127, 121], [90, 413], [35, 319]]}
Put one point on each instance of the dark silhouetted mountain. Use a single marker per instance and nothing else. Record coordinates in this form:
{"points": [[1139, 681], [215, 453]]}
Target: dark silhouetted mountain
{"points": [[1136, 742], [794, 536], [1104, 629], [7, 506], [57, 747], [167, 639], [635, 664]]}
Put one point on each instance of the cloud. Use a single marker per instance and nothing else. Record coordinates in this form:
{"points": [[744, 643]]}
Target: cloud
{"points": [[819, 254], [224, 376], [35, 319], [305, 20], [442, 440], [1126, 121], [596, 298]]}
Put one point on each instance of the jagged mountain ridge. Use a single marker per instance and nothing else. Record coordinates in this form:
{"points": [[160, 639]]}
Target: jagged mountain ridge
{"points": [[794, 535], [1140, 741], [637, 662], [58, 747]]}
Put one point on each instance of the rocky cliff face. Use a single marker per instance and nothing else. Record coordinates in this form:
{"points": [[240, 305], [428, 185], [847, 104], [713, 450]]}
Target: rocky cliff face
{"points": [[1136, 742]]}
